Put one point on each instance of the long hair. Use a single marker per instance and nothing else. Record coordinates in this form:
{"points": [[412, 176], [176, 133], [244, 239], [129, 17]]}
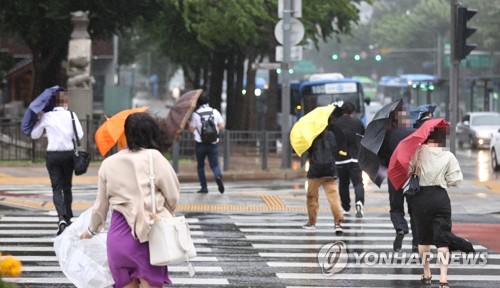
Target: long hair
{"points": [[143, 131]]}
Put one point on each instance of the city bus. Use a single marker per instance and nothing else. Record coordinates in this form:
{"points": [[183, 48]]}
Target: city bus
{"points": [[308, 95], [415, 89], [369, 86]]}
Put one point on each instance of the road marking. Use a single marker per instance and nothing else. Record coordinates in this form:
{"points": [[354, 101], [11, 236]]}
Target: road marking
{"points": [[382, 266], [318, 246], [345, 276]]}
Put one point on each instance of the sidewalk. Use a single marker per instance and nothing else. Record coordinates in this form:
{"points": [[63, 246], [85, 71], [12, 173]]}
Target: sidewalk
{"points": [[242, 169]]}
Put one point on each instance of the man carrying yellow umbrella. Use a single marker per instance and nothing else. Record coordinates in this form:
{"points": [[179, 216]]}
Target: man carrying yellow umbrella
{"points": [[314, 133]]}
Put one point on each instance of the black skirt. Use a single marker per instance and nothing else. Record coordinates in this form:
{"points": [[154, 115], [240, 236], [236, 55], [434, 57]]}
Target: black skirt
{"points": [[432, 212]]}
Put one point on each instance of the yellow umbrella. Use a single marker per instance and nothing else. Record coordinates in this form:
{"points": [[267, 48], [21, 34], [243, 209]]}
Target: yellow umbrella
{"points": [[308, 127]]}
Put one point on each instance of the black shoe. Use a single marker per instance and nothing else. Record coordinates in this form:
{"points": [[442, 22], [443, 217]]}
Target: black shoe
{"points": [[414, 248], [398, 241], [220, 184], [62, 225], [202, 190]]}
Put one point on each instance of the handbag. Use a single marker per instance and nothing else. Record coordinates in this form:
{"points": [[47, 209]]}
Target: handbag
{"points": [[81, 159], [414, 181], [169, 238]]}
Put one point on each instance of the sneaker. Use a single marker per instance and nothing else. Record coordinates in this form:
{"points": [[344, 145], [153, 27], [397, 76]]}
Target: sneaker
{"points": [[202, 190], [309, 226], [346, 213], [398, 241], [359, 209], [220, 184], [338, 229], [62, 225]]}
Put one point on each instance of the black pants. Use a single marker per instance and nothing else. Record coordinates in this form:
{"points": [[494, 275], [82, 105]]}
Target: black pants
{"points": [[433, 215], [397, 211], [60, 167], [350, 172]]}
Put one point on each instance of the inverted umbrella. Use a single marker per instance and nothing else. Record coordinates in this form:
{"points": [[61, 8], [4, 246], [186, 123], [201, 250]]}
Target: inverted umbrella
{"points": [[400, 159], [371, 142], [113, 129], [44, 102], [308, 127], [84, 261], [179, 114]]}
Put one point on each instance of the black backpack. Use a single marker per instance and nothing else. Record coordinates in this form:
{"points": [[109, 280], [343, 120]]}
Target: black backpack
{"points": [[208, 133]]}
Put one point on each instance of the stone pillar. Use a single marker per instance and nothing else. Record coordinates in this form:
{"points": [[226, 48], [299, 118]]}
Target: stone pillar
{"points": [[80, 79]]}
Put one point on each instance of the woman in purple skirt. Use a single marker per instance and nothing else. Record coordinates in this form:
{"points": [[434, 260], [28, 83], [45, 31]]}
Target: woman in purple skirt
{"points": [[124, 188]]}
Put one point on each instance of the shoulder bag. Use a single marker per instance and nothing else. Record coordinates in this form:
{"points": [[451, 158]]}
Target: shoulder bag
{"points": [[81, 159], [414, 182], [169, 238]]}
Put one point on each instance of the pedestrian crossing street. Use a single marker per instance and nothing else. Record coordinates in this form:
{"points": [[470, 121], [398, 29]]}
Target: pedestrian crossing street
{"points": [[261, 250]]}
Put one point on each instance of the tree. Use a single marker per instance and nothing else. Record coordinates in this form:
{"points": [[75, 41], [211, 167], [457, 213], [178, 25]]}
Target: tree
{"points": [[45, 27]]}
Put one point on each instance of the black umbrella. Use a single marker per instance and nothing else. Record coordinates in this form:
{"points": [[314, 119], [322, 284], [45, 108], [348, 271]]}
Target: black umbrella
{"points": [[368, 158]]}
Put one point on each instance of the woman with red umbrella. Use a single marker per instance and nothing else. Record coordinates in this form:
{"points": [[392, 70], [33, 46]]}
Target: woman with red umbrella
{"points": [[438, 169]]}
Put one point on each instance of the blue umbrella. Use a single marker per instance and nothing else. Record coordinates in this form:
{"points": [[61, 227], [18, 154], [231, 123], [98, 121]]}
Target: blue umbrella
{"points": [[44, 102], [417, 112]]}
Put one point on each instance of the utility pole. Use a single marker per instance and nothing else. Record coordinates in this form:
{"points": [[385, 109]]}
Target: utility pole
{"points": [[285, 91]]}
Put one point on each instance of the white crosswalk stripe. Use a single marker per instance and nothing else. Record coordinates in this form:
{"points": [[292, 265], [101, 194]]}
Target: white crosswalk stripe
{"points": [[30, 239], [292, 253], [231, 247]]}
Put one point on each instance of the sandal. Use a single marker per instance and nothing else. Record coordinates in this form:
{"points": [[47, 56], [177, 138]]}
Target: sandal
{"points": [[444, 285], [425, 281]]}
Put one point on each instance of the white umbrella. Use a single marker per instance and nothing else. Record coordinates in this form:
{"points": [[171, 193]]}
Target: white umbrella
{"points": [[83, 261]]}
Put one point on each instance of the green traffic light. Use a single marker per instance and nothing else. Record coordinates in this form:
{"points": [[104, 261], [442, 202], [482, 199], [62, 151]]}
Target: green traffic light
{"points": [[335, 57], [278, 70], [378, 58], [357, 57]]}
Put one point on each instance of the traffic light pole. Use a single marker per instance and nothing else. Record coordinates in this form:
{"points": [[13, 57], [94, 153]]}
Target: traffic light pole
{"points": [[454, 64]]}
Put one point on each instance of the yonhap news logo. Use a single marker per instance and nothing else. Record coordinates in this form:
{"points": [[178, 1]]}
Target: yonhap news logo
{"points": [[334, 257]]}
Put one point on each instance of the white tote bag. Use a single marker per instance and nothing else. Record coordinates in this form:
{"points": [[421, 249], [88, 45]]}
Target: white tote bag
{"points": [[169, 238]]}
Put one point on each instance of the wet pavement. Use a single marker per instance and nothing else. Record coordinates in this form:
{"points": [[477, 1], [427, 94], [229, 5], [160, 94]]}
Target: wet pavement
{"points": [[251, 235]]}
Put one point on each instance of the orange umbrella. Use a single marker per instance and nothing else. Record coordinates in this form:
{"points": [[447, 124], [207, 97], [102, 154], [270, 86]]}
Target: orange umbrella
{"points": [[181, 111], [112, 131]]}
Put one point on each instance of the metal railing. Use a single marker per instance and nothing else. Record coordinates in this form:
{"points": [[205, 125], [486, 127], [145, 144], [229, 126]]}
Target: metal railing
{"points": [[259, 146]]}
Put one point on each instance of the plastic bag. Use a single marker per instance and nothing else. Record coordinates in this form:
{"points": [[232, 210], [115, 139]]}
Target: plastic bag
{"points": [[84, 261]]}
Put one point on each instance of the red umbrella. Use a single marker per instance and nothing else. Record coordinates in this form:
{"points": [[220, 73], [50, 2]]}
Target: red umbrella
{"points": [[400, 159]]}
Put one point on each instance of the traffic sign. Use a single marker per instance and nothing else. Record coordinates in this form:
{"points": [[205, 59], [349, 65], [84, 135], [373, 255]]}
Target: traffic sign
{"points": [[296, 8], [296, 32], [295, 53], [266, 66]]}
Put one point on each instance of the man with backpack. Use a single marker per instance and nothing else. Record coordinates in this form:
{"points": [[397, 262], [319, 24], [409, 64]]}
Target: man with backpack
{"points": [[205, 124]]}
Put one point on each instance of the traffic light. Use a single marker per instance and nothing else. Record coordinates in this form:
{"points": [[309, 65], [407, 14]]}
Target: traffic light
{"points": [[462, 32], [378, 58], [357, 57], [335, 56]]}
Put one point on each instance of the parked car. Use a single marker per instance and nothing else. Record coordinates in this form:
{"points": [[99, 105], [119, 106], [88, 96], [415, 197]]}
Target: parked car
{"points": [[495, 150], [476, 128]]}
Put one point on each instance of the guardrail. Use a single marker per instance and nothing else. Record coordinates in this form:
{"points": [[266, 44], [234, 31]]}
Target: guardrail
{"points": [[260, 146]]}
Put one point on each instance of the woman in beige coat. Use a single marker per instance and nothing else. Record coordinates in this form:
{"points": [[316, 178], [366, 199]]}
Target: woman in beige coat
{"points": [[124, 188]]}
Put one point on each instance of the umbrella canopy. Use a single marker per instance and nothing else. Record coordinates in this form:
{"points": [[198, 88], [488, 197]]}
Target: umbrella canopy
{"points": [[417, 112], [374, 136], [84, 261], [113, 130], [179, 114], [44, 102], [308, 127], [400, 159]]}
